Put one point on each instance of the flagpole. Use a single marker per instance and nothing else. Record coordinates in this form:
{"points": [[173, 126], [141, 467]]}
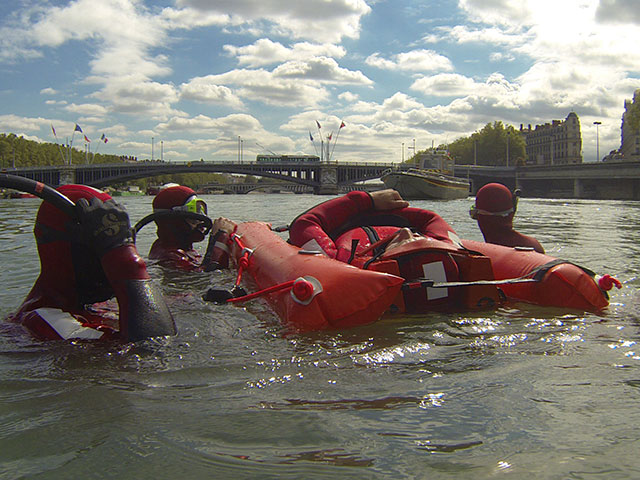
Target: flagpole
{"points": [[71, 147], [59, 147], [337, 135], [315, 149], [321, 141], [329, 146]]}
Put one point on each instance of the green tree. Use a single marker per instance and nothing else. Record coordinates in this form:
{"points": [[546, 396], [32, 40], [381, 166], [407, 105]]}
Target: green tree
{"points": [[489, 146], [20, 152]]}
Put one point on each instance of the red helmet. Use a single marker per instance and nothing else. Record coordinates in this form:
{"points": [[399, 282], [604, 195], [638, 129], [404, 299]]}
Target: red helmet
{"points": [[494, 199], [69, 269], [172, 196], [175, 230]]}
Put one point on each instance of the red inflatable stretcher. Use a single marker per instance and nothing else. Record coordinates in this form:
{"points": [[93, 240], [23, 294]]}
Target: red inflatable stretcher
{"points": [[559, 283], [325, 293], [310, 291]]}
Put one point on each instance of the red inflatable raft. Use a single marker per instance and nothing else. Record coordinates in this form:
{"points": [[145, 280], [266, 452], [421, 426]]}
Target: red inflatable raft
{"points": [[323, 294], [309, 291], [557, 283]]}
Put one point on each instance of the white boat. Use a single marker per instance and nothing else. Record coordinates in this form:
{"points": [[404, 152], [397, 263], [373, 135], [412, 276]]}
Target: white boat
{"points": [[431, 178]]}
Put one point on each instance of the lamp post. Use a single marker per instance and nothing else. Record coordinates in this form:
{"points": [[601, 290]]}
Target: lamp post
{"points": [[597, 124], [413, 148], [508, 137]]}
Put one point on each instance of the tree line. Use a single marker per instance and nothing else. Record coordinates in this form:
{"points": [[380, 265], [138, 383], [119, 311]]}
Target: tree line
{"points": [[493, 145], [19, 152]]}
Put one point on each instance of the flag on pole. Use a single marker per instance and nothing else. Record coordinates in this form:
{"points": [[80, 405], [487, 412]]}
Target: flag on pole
{"points": [[318, 123], [310, 137], [104, 139], [330, 135], [53, 130], [86, 139], [77, 129], [342, 125]]}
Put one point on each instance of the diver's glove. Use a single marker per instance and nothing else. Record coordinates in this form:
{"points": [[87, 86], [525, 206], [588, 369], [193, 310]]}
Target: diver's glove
{"points": [[217, 254], [104, 225]]}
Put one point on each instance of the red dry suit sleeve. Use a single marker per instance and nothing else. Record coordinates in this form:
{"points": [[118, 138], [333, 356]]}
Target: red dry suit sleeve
{"points": [[143, 312], [316, 223]]}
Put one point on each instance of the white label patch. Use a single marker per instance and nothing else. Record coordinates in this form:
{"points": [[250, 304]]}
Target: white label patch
{"points": [[66, 325], [435, 271]]}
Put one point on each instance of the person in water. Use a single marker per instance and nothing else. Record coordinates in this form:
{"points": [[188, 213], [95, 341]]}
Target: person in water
{"points": [[83, 263], [181, 219], [347, 226], [494, 210]]}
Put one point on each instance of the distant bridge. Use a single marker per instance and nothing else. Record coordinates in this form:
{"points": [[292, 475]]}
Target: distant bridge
{"points": [[594, 180], [602, 180], [321, 177], [243, 188]]}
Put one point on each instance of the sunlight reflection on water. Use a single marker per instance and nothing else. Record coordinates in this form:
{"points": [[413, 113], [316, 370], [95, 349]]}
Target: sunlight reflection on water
{"points": [[522, 389]]}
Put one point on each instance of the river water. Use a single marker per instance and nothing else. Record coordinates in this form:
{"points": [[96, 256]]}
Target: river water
{"points": [[523, 392]]}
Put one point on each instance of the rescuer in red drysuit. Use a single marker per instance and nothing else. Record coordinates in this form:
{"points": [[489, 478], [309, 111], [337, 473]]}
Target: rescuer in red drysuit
{"points": [[494, 210], [188, 224], [87, 261], [335, 225]]}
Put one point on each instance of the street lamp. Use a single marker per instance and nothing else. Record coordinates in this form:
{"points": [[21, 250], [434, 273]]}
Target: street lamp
{"points": [[597, 124], [508, 138]]}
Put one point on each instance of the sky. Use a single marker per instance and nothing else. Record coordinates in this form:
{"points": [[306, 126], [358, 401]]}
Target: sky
{"points": [[186, 80]]}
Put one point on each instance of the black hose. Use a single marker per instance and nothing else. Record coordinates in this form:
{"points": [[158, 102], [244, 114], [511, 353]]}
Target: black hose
{"points": [[38, 189], [175, 214]]}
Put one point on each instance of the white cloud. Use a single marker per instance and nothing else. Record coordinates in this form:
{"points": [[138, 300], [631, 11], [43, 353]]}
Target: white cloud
{"points": [[203, 123], [416, 60], [87, 109], [506, 36], [201, 90], [267, 52], [618, 11], [293, 84], [321, 69], [505, 12], [445, 85], [318, 20], [348, 97], [15, 123]]}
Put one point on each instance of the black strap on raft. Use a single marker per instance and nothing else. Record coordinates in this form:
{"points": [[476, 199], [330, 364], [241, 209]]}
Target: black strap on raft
{"points": [[176, 214], [38, 189], [535, 275], [354, 245], [541, 271], [423, 282]]}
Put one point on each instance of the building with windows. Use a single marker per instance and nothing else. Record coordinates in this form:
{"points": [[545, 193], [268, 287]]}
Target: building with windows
{"points": [[555, 143], [630, 137]]}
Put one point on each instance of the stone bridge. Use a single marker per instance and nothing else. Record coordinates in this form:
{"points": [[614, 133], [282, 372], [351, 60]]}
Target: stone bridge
{"points": [[321, 177], [601, 180]]}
